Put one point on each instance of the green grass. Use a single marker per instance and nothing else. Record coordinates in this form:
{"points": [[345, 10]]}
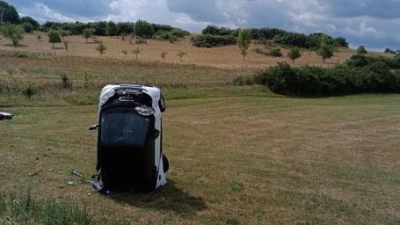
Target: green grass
{"points": [[238, 154], [234, 160]]}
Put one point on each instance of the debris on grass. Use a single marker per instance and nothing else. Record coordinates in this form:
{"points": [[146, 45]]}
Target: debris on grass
{"points": [[77, 173]]}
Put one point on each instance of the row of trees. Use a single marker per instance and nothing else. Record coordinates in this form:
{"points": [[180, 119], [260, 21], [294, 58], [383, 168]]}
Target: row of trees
{"points": [[141, 28], [218, 36], [325, 47], [9, 15]]}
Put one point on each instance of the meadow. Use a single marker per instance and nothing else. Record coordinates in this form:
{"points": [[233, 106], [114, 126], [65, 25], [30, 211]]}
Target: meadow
{"points": [[238, 154]]}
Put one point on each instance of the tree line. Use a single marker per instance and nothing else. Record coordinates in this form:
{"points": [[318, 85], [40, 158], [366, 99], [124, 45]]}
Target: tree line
{"points": [[219, 36], [142, 28]]}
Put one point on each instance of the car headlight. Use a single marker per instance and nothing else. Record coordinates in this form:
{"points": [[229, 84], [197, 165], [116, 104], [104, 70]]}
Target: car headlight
{"points": [[106, 96]]}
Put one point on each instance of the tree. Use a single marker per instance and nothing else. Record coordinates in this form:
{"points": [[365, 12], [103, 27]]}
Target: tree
{"points": [[294, 53], [243, 41], [100, 28], [144, 29], [28, 19], [111, 28], [16, 37], [388, 50], [54, 37], [12, 32], [325, 49], [64, 34], [28, 27], [137, 51], [341, 42], [361, 50], [125, 27], [101, 48], [8, 13], [181, 53], [87, 33]]}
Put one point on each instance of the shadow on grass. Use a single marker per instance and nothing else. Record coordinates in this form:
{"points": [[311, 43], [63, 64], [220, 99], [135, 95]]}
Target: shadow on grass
{"points": [[18, 46], [57, 48], [168, 198]]}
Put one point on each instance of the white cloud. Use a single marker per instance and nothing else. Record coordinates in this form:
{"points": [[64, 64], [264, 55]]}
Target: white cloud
{"points": [[375, 22], [44, 13], [367, 30]]}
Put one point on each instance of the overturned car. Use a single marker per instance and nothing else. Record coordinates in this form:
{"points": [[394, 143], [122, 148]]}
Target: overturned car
{"points": [[129, 143], [6, 116]]}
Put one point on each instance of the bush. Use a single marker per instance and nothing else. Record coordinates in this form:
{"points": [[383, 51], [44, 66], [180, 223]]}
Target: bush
{"points": [[30, 91], [276, 52], [209, 40], [166, 35], [361, 50], [364, 60], [243, 80], [316, 81]]}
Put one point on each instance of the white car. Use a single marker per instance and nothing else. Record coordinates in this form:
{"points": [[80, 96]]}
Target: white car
{"points": [[129, 143]]}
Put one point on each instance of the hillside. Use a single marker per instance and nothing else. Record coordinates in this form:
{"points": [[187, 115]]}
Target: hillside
{"points": [[222, 57]]}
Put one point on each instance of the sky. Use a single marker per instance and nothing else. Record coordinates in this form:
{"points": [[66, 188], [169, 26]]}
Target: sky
{"points": [[372, 23]]}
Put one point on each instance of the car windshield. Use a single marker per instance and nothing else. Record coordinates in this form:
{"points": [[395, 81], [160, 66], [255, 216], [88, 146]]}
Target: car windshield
{"points": [[124, 128]]}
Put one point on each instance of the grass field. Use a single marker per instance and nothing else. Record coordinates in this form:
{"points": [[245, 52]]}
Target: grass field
{"points": [[238, 155]]}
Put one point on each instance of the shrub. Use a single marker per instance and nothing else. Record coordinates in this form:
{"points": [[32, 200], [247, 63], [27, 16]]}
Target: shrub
{"points": [[316, 81], [275, 52], [243, 80], [357, 61], [209, 40], [30, 91], [361, 50], [364, 60], [65, 81]]}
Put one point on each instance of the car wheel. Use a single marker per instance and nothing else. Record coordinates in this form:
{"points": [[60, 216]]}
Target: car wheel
{"points": [[165, 162]]}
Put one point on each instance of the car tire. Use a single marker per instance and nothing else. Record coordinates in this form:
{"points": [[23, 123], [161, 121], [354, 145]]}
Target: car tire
{"points": [[165, 163]]}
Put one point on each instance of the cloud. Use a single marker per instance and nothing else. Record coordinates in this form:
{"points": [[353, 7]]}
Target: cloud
{"points": [[382, 9], [202, 11], [80, 8], [43, 13], [374, 22]]}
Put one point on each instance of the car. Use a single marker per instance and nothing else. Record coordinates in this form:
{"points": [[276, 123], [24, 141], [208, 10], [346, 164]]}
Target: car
{"points": [[129, 138], [6, 116]]}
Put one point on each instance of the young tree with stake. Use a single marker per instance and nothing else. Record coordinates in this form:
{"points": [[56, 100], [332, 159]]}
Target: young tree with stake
{"points": [[54, 37], [294, 53], [243, 41], [101, 48]]}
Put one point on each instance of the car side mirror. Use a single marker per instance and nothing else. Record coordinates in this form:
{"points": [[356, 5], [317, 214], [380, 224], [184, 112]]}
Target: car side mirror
{"points": [[156, 134], [161, 104], [94, 127]]}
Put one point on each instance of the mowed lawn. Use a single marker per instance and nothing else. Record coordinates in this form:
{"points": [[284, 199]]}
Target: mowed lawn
{"points": [[233, 160]]}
